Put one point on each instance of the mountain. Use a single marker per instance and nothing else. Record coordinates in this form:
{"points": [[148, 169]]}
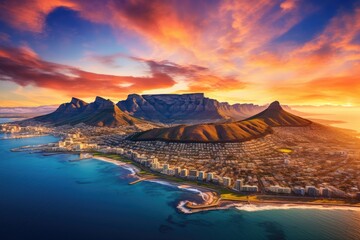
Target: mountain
{"points": [[184, 108], [101, 112], [276, 116], [211, 132], [254, 127], [25, 112]]}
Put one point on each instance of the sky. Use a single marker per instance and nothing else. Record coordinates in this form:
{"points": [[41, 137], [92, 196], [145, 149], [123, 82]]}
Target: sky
{"points": [[300, 52]]}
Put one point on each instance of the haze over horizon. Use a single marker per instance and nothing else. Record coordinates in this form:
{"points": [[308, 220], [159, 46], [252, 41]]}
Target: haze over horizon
{"points": [[299, 52]]}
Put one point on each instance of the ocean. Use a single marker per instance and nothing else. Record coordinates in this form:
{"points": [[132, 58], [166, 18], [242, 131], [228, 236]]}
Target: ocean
{"points": [[50, 197]]}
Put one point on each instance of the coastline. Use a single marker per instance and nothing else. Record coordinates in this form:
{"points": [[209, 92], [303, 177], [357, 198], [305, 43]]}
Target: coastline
{"points": [[211, 200], [207, 195], [133, 169]]}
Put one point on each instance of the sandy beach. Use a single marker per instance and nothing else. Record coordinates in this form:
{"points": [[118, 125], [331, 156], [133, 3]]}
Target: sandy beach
{"points": [[134, 170]]}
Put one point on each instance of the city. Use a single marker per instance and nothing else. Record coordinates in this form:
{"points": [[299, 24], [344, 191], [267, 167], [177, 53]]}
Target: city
{"points": [[282, 163]]}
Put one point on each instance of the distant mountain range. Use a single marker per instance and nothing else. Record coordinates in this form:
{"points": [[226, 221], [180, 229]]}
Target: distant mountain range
{"points": [[254, 127], [100, 113], [162, 108], [26, 112]]}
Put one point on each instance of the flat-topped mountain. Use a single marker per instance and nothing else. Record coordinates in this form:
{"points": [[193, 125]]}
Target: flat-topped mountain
{"points": [[184, 108], [101, 112], [276, 116], [251, 128]]}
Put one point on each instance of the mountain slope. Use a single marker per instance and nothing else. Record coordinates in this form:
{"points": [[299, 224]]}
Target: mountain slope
{"points": [[101, 112], [276, 116], [224, 132]]}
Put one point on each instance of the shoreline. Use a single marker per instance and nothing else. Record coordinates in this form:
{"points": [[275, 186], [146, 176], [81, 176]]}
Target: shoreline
{"points": [[207, 195], [133, 169], [212, 200], [211, 197], [24, 136]]}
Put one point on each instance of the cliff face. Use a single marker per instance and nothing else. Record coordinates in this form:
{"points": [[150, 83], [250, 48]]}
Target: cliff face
{"points": [[184, 108]]}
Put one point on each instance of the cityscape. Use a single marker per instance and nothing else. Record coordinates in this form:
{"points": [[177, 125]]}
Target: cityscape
{"points": [[299, 161], [179, 119]]}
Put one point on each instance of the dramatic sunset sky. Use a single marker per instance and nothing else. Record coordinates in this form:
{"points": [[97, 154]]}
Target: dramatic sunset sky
{"points": [[301, 52]]}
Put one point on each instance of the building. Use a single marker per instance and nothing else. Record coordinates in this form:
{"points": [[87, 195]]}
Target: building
{"points": [[170, 171], [177, 171], [184, 172], [227, 181], [358, 196], [61, 144], [249, 188], [285, 190], [79, 146], [239, 184], [336, 192], [193, 174], [299, 190], [312, 191], [202, 175], [274, 189], [210, 176], [165, 166], [325, 192]]}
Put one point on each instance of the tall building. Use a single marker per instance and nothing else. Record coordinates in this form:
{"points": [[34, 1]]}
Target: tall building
{"points": [[193, 174], [165, 166], [202, 175], [239, 184], [227, 181], [299, 190], [312, 191], [184, 172], [177, 170], [210, 176], [325, 192]]}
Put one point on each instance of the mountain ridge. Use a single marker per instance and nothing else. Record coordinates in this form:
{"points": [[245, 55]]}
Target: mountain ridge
{"points": [[184, 108], [276, 116], [101, 112], [254, 127]]}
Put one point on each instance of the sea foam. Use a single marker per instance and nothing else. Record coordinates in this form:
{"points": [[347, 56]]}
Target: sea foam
{"points": [[256, 208]]}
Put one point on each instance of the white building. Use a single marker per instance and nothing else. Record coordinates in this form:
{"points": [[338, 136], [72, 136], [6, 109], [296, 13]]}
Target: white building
{"points": [[210, 176], [249, 188], [184, 172], [202, 175], [239, 184], [227, 181]]}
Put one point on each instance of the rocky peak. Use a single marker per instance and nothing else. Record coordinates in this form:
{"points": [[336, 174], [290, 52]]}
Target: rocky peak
{"points": [[77, 102], [275, 106]]}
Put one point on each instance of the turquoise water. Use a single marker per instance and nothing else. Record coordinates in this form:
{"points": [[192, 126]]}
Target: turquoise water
{"points": [[48, 197]]}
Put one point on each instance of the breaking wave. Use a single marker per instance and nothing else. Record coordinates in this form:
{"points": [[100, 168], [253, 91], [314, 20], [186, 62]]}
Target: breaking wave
{"points": [[256, 208]]}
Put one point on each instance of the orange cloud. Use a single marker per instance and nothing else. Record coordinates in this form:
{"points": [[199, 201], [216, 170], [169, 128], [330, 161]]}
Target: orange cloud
{"points": [[23, 67], [210, 42], [325, 90], [30, 15]]}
